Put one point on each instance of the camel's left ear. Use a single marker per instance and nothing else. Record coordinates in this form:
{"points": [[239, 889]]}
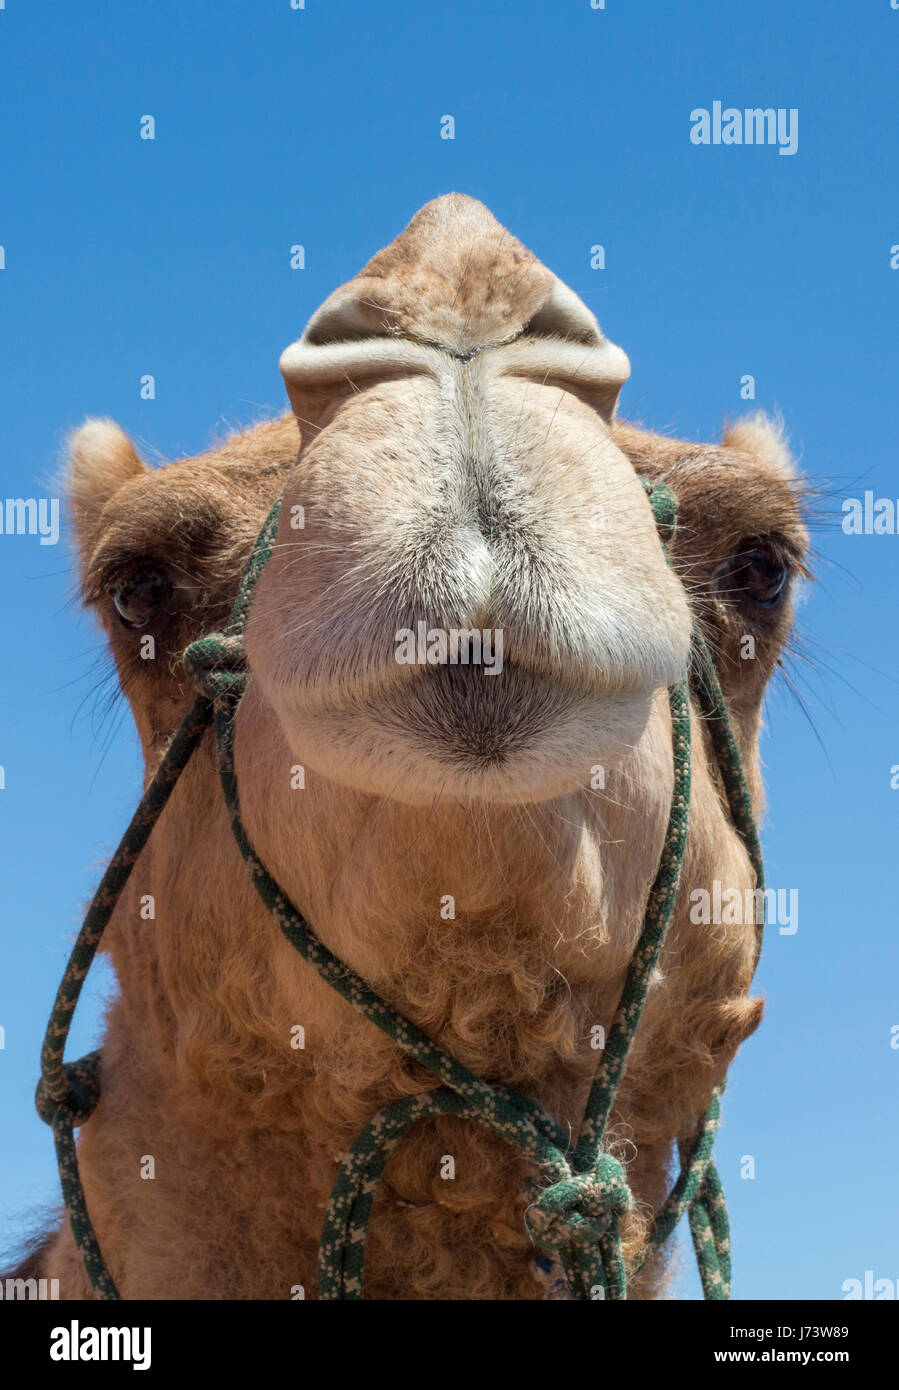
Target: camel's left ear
{"points": [[764, 437], [101, 460]]}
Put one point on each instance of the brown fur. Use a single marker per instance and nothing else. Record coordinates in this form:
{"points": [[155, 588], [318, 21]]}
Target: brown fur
{"points": [[549, 885]]}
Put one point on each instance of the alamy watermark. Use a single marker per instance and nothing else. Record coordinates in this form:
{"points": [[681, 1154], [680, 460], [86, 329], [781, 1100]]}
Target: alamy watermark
{"points": [[734, 906], [17, 1290], [30, 516], [79, 1342], [755, 125], [870, 1288], [869, 515], [454, 646]]}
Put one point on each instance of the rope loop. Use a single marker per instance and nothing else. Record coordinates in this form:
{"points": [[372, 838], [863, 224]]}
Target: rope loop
{"points": [[218, 664], [82, 1092]]}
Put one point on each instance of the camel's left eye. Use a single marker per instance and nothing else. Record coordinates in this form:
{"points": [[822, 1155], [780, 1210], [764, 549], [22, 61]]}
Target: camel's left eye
{"points": [[758, 574], [140, 596]]}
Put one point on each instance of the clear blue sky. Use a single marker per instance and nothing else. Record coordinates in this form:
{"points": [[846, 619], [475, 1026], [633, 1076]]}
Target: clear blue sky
{"points": [[322, 127]]}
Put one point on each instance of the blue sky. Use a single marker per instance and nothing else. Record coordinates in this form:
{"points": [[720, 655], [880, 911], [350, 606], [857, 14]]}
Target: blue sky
{"points": [[321, 127]]}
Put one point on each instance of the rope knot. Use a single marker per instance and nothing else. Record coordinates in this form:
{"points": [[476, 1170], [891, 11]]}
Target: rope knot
{"points": [[218, 664], [581, 1208]]}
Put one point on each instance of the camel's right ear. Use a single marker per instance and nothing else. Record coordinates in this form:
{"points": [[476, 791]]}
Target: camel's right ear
{"points": [[101, 458]]}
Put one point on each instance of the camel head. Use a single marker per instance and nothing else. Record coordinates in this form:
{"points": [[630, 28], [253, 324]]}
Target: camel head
{"points": [[459, 652], [468, 598]]}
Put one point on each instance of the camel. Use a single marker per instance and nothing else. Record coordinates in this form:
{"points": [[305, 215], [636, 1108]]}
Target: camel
{"points": [[477, 846]]}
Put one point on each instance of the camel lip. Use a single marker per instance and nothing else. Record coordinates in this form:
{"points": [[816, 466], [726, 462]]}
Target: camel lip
{"points": [[454, 731], [425, 740], [383, 697]]}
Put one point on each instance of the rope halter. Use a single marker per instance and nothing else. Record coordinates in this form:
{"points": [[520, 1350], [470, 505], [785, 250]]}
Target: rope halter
{"points": [[576, 1214]]}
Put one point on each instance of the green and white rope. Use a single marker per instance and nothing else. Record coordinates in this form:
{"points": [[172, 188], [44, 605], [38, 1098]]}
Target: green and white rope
{"points": [[576, 1212]]}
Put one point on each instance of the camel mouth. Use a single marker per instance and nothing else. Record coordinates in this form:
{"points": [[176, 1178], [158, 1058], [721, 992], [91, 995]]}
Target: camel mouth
{"points": [[476, 718], [457, 732]]}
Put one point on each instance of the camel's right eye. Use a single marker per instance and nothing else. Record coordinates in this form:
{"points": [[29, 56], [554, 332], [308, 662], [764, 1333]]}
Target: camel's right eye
{"points": [[139, 597], [757, 573]]}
